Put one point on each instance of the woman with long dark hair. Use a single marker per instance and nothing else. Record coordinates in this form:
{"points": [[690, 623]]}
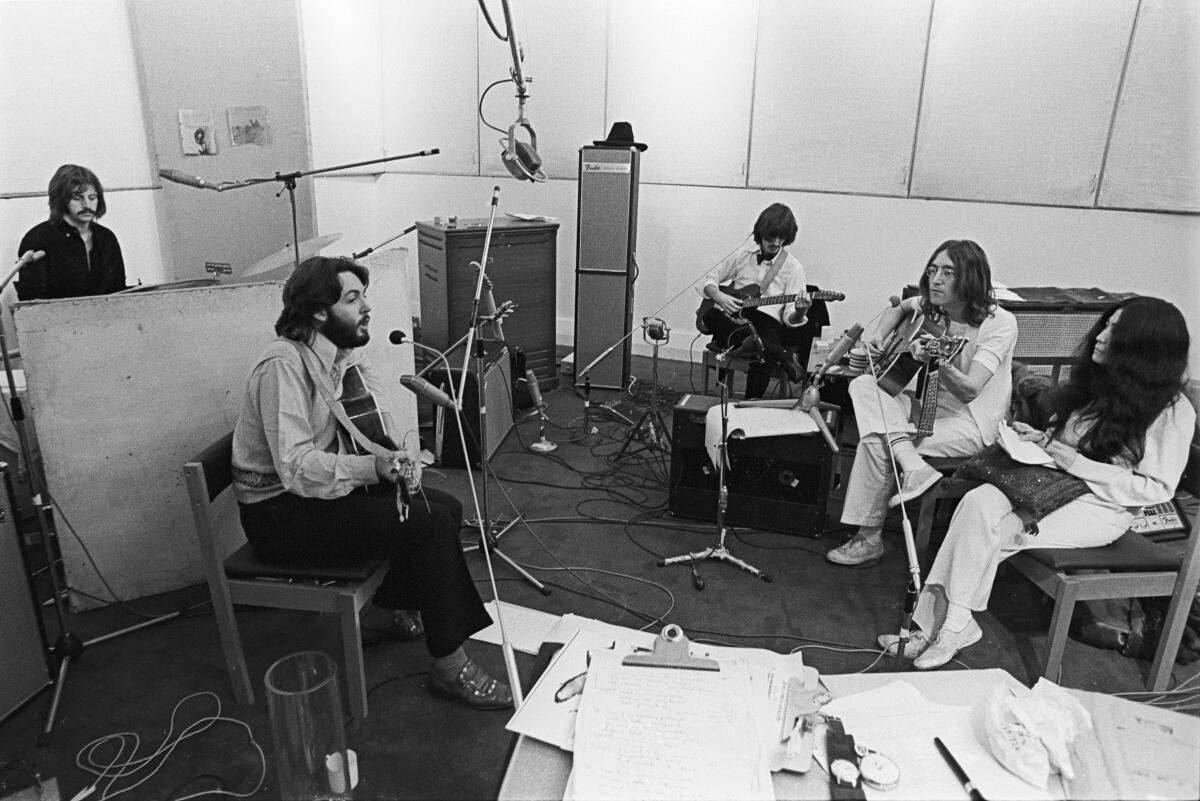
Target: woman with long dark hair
{"points": [[1122, 424]]}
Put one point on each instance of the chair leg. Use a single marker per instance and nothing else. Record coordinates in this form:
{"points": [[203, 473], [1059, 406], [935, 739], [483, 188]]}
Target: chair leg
{"points": [[356, 673], [231, 645], [1060, 623]]}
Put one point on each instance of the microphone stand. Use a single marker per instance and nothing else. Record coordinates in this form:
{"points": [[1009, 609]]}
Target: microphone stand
{"points": [[289, 185], [656, 437], [371, 250], [487, 536], [718, 551], [913, 591], [67, 646]]}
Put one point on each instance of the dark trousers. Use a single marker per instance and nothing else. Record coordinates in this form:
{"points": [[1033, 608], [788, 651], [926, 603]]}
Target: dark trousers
{"points": [[428, 572], [774, 335]]}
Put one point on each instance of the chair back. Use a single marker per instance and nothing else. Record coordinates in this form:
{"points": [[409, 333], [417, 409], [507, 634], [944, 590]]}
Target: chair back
{"points": [[216, 461]]}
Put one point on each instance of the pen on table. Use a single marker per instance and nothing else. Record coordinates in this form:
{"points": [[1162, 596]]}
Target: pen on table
{"points": [[959, 773]]}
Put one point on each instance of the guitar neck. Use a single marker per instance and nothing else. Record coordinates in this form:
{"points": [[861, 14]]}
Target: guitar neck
{"points": [[773, 300]]}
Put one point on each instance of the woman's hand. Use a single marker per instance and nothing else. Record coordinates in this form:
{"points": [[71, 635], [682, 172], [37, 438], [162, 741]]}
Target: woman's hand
{"points": [[1027, 433]]}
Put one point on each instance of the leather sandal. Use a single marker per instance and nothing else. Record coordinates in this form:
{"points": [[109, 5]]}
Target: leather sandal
{"points": [[403, 626], [472, 687]]}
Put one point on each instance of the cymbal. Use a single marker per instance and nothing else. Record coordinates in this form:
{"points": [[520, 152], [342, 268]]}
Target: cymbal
{"points": [[286, 257]]}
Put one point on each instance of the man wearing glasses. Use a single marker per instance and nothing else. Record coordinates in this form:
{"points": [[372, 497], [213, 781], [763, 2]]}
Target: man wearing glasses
{"points": [[82, 256], [969, 398]]}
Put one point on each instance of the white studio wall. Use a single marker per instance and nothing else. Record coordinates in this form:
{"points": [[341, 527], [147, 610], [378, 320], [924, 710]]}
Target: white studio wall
{"points": [[99, 123]]}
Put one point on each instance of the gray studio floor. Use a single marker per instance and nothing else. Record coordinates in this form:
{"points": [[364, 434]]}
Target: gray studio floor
{"points": [[593, 531]]}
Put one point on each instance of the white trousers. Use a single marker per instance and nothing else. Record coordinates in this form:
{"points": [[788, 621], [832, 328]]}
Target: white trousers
{"points": [[984, 531], [880, 417]]}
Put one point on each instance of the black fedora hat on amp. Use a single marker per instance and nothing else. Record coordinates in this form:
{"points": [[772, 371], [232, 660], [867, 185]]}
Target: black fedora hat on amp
{"points": [[620, 135]]}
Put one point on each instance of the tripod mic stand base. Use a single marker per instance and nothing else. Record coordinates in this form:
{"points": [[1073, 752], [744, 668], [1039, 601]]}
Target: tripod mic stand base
{"points": [[721, 554], [543, 446]]}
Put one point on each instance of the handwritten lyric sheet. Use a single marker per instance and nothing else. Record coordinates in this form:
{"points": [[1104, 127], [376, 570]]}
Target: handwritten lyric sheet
{"points": [[645, 732]]}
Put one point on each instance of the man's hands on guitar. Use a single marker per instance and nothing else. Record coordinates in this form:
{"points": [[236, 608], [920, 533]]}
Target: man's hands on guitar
{"points": [[729, 304], [919, 350], [803, 303]]}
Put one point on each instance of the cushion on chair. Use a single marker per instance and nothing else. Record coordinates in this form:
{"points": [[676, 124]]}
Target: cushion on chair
{"points": [[243, 563], [1131, 552]]}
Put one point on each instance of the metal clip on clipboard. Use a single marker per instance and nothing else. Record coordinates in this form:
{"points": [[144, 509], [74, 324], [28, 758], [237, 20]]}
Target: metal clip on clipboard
{"points": [[671, 651]]}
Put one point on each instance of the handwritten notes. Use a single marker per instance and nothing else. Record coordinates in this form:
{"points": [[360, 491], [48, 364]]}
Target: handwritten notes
{"points": [[672, 734]]}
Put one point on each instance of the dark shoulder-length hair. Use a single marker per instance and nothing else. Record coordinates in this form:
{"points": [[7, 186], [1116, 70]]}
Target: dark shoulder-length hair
{"points": [[70, 179], [776, 220], [313, 287], [973, 284], [1142, 374]]}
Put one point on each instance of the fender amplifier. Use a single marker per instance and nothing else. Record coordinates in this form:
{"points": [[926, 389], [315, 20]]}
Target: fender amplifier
{"points": [[775, 483], [498, 411]]}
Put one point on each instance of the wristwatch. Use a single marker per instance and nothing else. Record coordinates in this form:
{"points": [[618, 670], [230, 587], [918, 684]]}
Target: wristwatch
{"points": [[845, 779]]}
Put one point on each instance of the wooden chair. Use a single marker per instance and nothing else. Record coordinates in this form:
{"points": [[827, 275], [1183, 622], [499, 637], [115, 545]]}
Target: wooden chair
{"points": [[241, 578], [1131, 567]]}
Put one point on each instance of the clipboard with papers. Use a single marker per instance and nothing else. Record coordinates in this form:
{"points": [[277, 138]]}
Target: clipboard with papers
{"points": [[667, 718]]}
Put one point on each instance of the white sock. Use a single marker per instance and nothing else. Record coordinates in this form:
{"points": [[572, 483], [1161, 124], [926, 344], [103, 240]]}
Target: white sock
{"points": [[906, 455], [957, 617]]}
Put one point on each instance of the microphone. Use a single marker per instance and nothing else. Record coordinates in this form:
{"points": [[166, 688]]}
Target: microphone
{"points": [[396, 337], [840, 348], [28, 257], [535, 391], [175, 176], [423, 389], [489, 309]]}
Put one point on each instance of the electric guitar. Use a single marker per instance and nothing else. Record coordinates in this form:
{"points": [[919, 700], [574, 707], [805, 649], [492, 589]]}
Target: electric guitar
{"points": [[896, 366], [750, 295]]}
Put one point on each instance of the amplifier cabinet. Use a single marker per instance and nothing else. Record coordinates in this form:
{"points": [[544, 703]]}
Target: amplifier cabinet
{"points": [[775, 483], [24, 670], [522, 260]]}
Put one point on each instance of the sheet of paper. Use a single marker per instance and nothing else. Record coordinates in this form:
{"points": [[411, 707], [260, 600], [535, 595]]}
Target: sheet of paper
{"points": [[754, 422], [551, 705], [1025, 452], [526, 628], [899, 721], [666, 733], [1150, 752]]}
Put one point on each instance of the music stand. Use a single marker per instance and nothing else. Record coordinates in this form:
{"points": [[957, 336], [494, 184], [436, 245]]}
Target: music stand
{"points": [[719, 551]]}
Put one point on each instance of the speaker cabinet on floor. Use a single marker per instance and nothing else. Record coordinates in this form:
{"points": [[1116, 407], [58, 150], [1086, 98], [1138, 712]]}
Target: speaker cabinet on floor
{"points": [[24, 671], [775, 483], [497, 394]]}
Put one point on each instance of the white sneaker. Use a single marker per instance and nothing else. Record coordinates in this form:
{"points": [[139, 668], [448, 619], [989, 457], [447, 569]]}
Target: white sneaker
{"points": [[915, 484], [859, 551], [948, 643], [916, 645]]}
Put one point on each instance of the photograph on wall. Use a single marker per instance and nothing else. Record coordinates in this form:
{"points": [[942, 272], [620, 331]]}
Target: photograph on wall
{"points": [[249, 125], [197, 132]]}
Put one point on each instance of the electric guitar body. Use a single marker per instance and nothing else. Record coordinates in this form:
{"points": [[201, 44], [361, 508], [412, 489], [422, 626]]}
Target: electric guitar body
{"points": [[751, 297]]}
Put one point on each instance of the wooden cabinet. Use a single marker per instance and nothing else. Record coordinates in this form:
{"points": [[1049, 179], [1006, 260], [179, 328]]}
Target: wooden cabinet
{"points": [[522, 268]]}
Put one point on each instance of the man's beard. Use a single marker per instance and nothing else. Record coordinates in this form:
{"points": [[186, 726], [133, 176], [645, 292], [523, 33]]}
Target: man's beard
{"points": [[343, 334]]}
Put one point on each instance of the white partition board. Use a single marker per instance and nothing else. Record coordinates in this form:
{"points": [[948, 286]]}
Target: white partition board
{"points": [[125, 388], [1154, 158], [1018, 99], [682, 73], [565, 57], [835, 112]]}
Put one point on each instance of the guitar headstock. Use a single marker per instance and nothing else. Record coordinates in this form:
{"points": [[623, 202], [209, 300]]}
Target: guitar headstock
{"points": [[944, 347], [487, 279]]}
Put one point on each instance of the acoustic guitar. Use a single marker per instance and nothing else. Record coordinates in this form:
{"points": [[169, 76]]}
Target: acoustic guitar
{"points": [[363, 410], [896, 366], [751, 297]]}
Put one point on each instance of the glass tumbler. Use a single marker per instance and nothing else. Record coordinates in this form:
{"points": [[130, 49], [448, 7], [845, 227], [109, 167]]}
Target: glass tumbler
{"points": [[305, 706]]}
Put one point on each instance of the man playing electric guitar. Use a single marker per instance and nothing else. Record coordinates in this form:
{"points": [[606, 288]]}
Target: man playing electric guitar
{"points": [[767, 265], [968, 393]]}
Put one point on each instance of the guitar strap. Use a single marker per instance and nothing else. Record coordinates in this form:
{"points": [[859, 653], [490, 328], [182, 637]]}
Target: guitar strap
{"points": [[924, 408], [773, 270], [373, 448]]}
